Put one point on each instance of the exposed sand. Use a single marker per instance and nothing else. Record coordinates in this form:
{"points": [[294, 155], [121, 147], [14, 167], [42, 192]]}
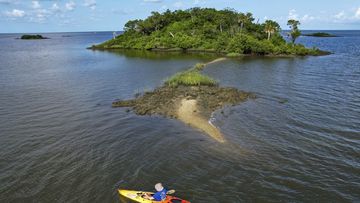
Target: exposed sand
{"points": [[188, 112], [215, 61], [192, 105]]}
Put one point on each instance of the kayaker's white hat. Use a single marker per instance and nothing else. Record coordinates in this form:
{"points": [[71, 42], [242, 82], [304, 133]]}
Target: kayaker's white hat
{"points": [[159, 187]]}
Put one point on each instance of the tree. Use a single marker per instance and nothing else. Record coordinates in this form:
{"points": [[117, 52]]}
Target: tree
{"points": [[131, 25], [295, 32], [271, 27], [244, 20], [207, 29]]}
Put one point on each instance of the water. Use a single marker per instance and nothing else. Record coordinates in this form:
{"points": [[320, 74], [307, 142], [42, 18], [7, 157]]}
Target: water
{"points": [[60, 140]]}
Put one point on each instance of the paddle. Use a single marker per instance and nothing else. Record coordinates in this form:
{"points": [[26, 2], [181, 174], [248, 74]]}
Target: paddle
{"points": [[170, 192]]}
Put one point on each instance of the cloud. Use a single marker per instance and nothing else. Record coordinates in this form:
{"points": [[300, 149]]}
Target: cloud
{"points": [[90, 4], [347, 17], [40, 15], [293, 15], [35, 5], [178, 4], [70, 6], [340, 15], [152, 1], [15, 13], [307, 18], [55, 8], [164, 7], [121, 12], [357, 13], [197, 2]]}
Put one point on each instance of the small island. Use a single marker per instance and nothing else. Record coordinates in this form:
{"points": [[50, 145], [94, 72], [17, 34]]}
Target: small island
{"points": [[190, 97], [320, 34], [226, 32], [31, 37]]}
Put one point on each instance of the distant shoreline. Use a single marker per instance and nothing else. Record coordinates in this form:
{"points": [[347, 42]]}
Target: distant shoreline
{"points": [[320, 34]]}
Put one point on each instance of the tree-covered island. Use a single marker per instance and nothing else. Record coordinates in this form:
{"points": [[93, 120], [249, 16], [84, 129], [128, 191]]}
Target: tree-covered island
{"points": [[320, 34], [209, 30], [29, 37]]}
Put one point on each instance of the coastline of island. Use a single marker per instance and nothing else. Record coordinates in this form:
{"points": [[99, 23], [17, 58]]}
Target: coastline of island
{"points": [[190, 96], [206, 30]]}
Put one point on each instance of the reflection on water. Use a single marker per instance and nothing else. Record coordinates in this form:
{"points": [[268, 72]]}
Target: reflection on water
{"points": [[61, 141], [160, 55]]}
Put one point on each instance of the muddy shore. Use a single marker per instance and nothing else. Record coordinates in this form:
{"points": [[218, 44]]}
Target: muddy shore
{"points": [[190, 104], [165, 100]]}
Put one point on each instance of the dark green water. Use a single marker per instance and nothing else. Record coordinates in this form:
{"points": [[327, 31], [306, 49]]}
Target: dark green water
{"points": [[60, 140]]}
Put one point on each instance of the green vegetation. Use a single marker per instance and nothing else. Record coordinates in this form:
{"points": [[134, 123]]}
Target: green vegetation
{"points": [[191, 77], [233, 54], [33, 37], [271, 27], [207, 30], [320, 34], [199, 66], [295, 32]]}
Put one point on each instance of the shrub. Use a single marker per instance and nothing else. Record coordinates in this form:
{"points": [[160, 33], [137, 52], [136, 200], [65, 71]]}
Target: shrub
{"points": [[199, 66], [233, 54], [190, 78]]}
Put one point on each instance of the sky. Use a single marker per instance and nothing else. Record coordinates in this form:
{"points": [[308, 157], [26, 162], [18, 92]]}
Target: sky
{"points": [[29, 16]]}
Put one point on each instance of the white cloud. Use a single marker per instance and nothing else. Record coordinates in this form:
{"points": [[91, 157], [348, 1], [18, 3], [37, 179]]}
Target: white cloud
{"points": [[153, 1], [70, 6], [293, 15], [164, 7], [178, 4], [197, 2], [121, 11], [35, 5], [307, 18], [357, 13], [340, 15], [15, 13], [347, 17], [90, 4], [55, 8], [40, 16]]}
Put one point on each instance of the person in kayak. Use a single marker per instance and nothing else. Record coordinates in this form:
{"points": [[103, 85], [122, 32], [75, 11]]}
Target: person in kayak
{"points": [[160, 194]]}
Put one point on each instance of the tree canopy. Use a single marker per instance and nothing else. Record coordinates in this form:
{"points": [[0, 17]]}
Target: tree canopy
{"points": [[295, 32], [205, 29]]}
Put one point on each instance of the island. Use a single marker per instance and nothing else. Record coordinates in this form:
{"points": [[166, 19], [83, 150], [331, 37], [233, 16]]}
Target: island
{"points": [[225, 32], [30, 37], [320, 34], [190, 97]]}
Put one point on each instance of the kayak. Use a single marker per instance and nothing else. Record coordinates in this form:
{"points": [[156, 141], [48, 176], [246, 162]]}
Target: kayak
{"points": [[137, 197]]}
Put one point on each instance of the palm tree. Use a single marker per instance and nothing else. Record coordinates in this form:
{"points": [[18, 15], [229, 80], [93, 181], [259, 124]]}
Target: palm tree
{"points": [[295, 32], [271, 27], [244, 19]]}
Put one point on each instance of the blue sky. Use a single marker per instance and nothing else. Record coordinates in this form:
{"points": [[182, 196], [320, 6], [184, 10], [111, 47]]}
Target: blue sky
{"points": [[106, 15]]}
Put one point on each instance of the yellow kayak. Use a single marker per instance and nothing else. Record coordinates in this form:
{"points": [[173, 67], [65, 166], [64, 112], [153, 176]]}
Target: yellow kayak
{"points": [[137, 197]]}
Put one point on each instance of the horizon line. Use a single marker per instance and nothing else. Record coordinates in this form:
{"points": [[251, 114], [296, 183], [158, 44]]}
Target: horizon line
{"points": [[49, 32]]}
